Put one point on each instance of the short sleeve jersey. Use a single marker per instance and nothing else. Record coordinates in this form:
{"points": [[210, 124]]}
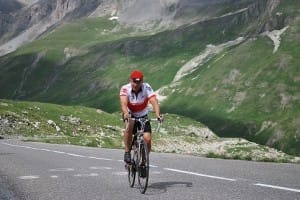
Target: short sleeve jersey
{"points": [[137, 104]]}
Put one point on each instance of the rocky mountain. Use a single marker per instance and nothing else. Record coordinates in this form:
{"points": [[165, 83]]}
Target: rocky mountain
{"points": [[24, 21], [35, 18], [229, 64]]}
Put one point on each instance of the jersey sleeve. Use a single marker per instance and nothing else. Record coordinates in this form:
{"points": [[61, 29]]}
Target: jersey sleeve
{"points": [[149, 90], [124, 91]]}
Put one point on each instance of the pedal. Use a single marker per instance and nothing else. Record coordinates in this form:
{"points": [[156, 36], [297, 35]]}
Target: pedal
{"points": [[126, 167]]}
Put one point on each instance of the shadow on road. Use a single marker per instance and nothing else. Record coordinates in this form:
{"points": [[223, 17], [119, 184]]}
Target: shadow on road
{"points": [[162, 187]]}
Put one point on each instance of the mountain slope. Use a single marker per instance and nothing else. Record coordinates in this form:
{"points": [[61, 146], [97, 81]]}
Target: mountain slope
{"points": [[112, 48], [251, 90], [24, 21], [79, 125], [234, 80]]}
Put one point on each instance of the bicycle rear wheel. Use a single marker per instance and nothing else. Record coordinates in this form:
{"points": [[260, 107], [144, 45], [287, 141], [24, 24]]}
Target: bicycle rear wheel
{"points": [[143, 168], [131, 168]]}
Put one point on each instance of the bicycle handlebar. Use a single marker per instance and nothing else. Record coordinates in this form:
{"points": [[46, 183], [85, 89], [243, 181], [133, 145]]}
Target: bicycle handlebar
{"points": [[144, 120]]}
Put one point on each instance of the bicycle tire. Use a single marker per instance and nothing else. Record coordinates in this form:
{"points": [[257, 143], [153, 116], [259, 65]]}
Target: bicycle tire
{"points": [[131, 168], [143, 158]]}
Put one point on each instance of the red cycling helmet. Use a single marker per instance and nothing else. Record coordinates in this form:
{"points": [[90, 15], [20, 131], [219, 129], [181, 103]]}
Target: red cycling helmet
{"points": [[137, 75]]}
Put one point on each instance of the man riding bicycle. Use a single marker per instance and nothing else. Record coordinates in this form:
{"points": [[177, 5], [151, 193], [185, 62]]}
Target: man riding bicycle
{"points": [[134, 99]]}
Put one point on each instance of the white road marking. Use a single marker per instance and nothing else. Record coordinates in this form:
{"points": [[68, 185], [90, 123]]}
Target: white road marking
{"points": [[61, 170], [198, 174], [100, 168], [28, 177], [108, 159], [45, 150], [277, 187], [86, 175], [59, 152], [120, 173], [75, 155], [54, 176]]}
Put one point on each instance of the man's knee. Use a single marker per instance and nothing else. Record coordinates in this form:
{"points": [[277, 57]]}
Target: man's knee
{"points": [[147, 137]]}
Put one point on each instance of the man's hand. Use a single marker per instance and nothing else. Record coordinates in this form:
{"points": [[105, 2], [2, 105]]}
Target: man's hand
{"points": [[160, 118], [126, 116]]}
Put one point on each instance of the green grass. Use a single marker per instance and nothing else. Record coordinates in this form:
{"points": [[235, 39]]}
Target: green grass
{"points": [[89, 122], [78, 125]]}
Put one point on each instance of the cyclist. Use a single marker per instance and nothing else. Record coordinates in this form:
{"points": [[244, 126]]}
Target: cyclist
{"points": [[134, 99]]}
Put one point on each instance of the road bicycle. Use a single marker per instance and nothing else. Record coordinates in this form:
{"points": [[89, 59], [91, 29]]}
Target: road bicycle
{"points": [[139, 164]]}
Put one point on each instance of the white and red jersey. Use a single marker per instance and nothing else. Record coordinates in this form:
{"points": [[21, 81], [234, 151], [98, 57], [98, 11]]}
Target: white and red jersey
{"points": [[137, 103]]}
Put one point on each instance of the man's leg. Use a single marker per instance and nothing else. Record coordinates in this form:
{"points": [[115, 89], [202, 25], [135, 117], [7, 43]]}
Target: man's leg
{"points": [[147, 138], [127, 141]]}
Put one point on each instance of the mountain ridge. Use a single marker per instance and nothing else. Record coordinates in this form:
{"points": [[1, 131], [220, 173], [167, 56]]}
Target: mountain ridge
{"points": [[42, 18]]}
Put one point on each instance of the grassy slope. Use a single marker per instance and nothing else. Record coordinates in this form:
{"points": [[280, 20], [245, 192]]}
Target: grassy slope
{"points": [[78, 125]]}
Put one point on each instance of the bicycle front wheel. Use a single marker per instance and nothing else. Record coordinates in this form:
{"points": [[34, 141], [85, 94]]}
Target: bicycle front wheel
{"points": [[143, 168], [131, 168]]}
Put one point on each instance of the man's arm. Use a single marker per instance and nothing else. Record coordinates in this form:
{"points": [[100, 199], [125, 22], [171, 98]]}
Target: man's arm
{"points": [[154, 102], [124, 108]]}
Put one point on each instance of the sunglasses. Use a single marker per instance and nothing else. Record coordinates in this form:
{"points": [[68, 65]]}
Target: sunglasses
{"points": [[137, 81]]}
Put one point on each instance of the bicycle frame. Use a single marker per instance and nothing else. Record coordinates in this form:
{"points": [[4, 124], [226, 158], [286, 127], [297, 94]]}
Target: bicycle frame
{"points": [[140, 155]]}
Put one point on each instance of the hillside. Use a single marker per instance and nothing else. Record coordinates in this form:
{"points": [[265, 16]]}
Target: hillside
{"points": [[251, 90], [79, 125], [233, 68]]}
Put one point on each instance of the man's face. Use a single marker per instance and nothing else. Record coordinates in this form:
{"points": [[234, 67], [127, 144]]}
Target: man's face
{"points": [[136, 84]]}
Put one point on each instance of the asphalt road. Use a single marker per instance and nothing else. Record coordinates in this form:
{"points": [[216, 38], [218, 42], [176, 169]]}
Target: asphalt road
{"points": [[49, 172]]}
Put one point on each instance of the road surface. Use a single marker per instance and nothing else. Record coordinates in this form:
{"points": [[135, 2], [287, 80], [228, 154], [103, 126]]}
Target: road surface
{"points": [[39, 171]]}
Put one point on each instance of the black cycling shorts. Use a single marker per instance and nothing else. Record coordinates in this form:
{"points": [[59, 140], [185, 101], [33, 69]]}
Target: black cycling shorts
{"points": [[147, 127]]}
